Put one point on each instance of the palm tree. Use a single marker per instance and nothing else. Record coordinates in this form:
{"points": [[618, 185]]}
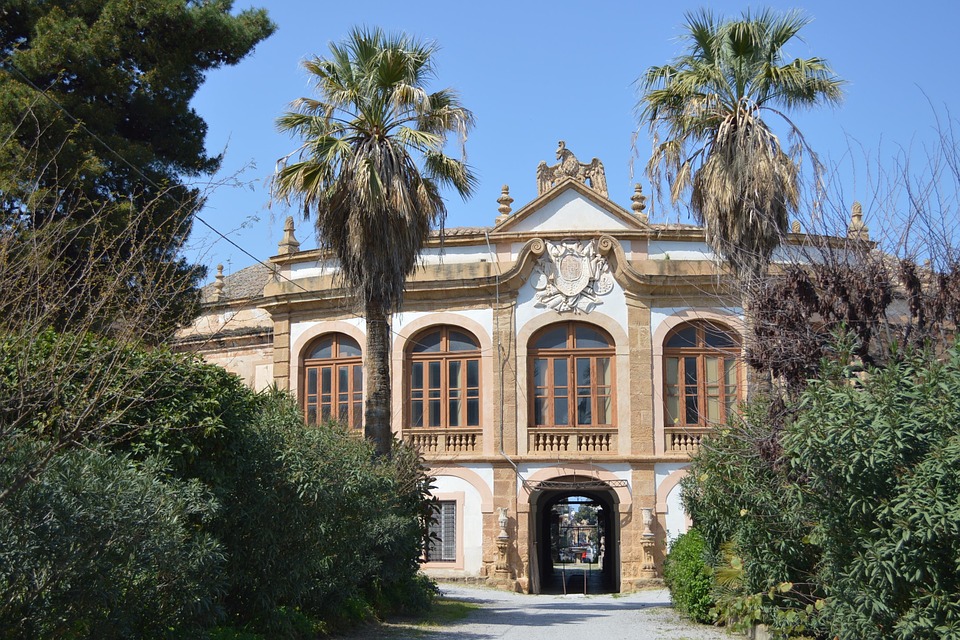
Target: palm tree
{"points": [[704, 113], [370, 169]]}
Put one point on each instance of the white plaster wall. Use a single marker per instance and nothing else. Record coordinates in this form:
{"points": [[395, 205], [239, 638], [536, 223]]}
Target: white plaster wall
{"points": [[312, 269], [483, 317], [678, 250], [570, 211], [613, 304], [297, 329], [472, 534], [458, 254], [675, 520]]}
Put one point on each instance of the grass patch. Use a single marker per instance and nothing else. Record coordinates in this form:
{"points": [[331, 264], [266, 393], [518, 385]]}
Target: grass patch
{"points": [[446, 611]]}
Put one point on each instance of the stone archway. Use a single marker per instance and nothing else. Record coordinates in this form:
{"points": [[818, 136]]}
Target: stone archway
{"points": [[548, 567]]}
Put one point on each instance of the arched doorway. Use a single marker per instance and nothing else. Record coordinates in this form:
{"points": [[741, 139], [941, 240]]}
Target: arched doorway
{"points": [[575, 536]]}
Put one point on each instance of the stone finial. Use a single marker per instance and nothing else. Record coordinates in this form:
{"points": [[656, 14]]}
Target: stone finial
{"points": [[505, 201], [795, 227], [288, 244], [639, 203], [857, 230], [218, 284]]}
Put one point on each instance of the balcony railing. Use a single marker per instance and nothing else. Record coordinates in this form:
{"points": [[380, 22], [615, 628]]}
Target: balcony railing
{"points": [[440, 441], [685, 439], [572, 440]]}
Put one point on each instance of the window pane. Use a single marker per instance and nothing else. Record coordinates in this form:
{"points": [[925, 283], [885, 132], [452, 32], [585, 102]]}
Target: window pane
{"points": [[540, 372], [434, 415], [416, 413], [555, 338], [560, 414], [583, 411], [357, 378], [343, 379], [427, 343], [583, 371], [473, 412], [713, 369], [604, 405], [326, 374], [455, 379], [686, 337], [454, 412], [357, 414], [540, 411], [603, 371], [717, 337], [416, 377], [690, 370], [473, 373], [588, 338], [713, 408], [673, 366], [730, 371], [312, 381], [433, 375], [560, 372], [311, 415], [348, 347], [324, 348], [693, 412], [673, 407], [459, 341]]}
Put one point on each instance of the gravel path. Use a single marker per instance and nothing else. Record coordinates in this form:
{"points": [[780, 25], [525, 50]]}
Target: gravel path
{"points": [[512, 616]]}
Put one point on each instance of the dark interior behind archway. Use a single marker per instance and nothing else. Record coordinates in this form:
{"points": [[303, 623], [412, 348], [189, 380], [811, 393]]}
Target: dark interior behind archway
{"points": [[577, 542]]}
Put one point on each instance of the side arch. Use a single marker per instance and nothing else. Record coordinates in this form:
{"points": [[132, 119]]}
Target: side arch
{"points": [[473, 479]]}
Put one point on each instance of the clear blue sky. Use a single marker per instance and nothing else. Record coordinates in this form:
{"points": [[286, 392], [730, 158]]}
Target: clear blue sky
{"points": [[537, 72]]}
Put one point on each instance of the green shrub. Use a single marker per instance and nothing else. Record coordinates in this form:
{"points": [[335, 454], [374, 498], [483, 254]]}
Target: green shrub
{"points": [[688, 576]]}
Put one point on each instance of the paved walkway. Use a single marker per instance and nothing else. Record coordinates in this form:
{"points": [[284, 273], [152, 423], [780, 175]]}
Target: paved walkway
{"points": [[511, 616]]}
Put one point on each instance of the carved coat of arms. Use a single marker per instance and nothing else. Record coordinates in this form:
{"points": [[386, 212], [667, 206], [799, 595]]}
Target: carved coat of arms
{"points": [[571, 276]]}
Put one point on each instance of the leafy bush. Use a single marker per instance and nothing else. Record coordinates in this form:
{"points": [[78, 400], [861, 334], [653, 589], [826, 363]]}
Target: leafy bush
{"points": [[688, 576], [846, 523], [102, 546]]}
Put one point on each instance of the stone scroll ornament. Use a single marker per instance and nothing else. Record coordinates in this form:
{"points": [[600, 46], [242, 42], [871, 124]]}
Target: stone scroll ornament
{"points": [[571, 276]]}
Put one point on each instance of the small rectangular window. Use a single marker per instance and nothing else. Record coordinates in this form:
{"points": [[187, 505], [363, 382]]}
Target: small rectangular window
{"points": [[442, 545]]}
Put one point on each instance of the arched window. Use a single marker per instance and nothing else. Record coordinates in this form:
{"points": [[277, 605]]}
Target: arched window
{"points": [[701, 374], [572, 376], [333, 381], [444, 379]]}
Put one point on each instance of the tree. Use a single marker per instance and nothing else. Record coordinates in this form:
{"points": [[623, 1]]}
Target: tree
{"points": [[704, 112], [95, 108], [370, 168]]}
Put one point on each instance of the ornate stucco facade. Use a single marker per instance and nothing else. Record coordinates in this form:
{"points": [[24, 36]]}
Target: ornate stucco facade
{"points": [[573, 261]]}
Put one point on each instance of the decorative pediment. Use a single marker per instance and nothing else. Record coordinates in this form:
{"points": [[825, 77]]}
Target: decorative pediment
{"points": [[570, 206]]}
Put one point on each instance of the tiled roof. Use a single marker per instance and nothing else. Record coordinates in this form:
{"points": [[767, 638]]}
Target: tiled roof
{"points": [[246, 283]]}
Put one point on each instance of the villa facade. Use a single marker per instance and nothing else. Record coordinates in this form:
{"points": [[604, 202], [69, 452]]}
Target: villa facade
{"points": [[572, 351]]}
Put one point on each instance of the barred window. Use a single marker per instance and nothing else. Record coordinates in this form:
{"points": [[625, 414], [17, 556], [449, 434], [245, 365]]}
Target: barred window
{"points": [[442, 544]]}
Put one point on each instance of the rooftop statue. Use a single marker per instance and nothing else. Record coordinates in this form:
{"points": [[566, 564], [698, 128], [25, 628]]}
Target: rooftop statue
{"points": [[591, 174]]}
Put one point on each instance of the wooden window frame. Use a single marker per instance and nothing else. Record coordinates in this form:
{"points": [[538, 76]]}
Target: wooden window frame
{"points": [[571, 354], [701, 351], [334, 363], [445, 357]]}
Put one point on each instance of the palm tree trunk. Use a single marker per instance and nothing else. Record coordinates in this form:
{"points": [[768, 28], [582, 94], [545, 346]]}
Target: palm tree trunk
{"points": [[376, 420]]}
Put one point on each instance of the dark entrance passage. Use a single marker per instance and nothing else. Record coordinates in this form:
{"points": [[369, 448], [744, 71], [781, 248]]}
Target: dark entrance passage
{"points": [[575, 541]]}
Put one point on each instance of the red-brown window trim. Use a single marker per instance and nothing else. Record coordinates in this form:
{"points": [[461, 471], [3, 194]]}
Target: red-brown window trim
{"points": [[700, 352], [420, 397], [570, 353], [334, 364]]}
